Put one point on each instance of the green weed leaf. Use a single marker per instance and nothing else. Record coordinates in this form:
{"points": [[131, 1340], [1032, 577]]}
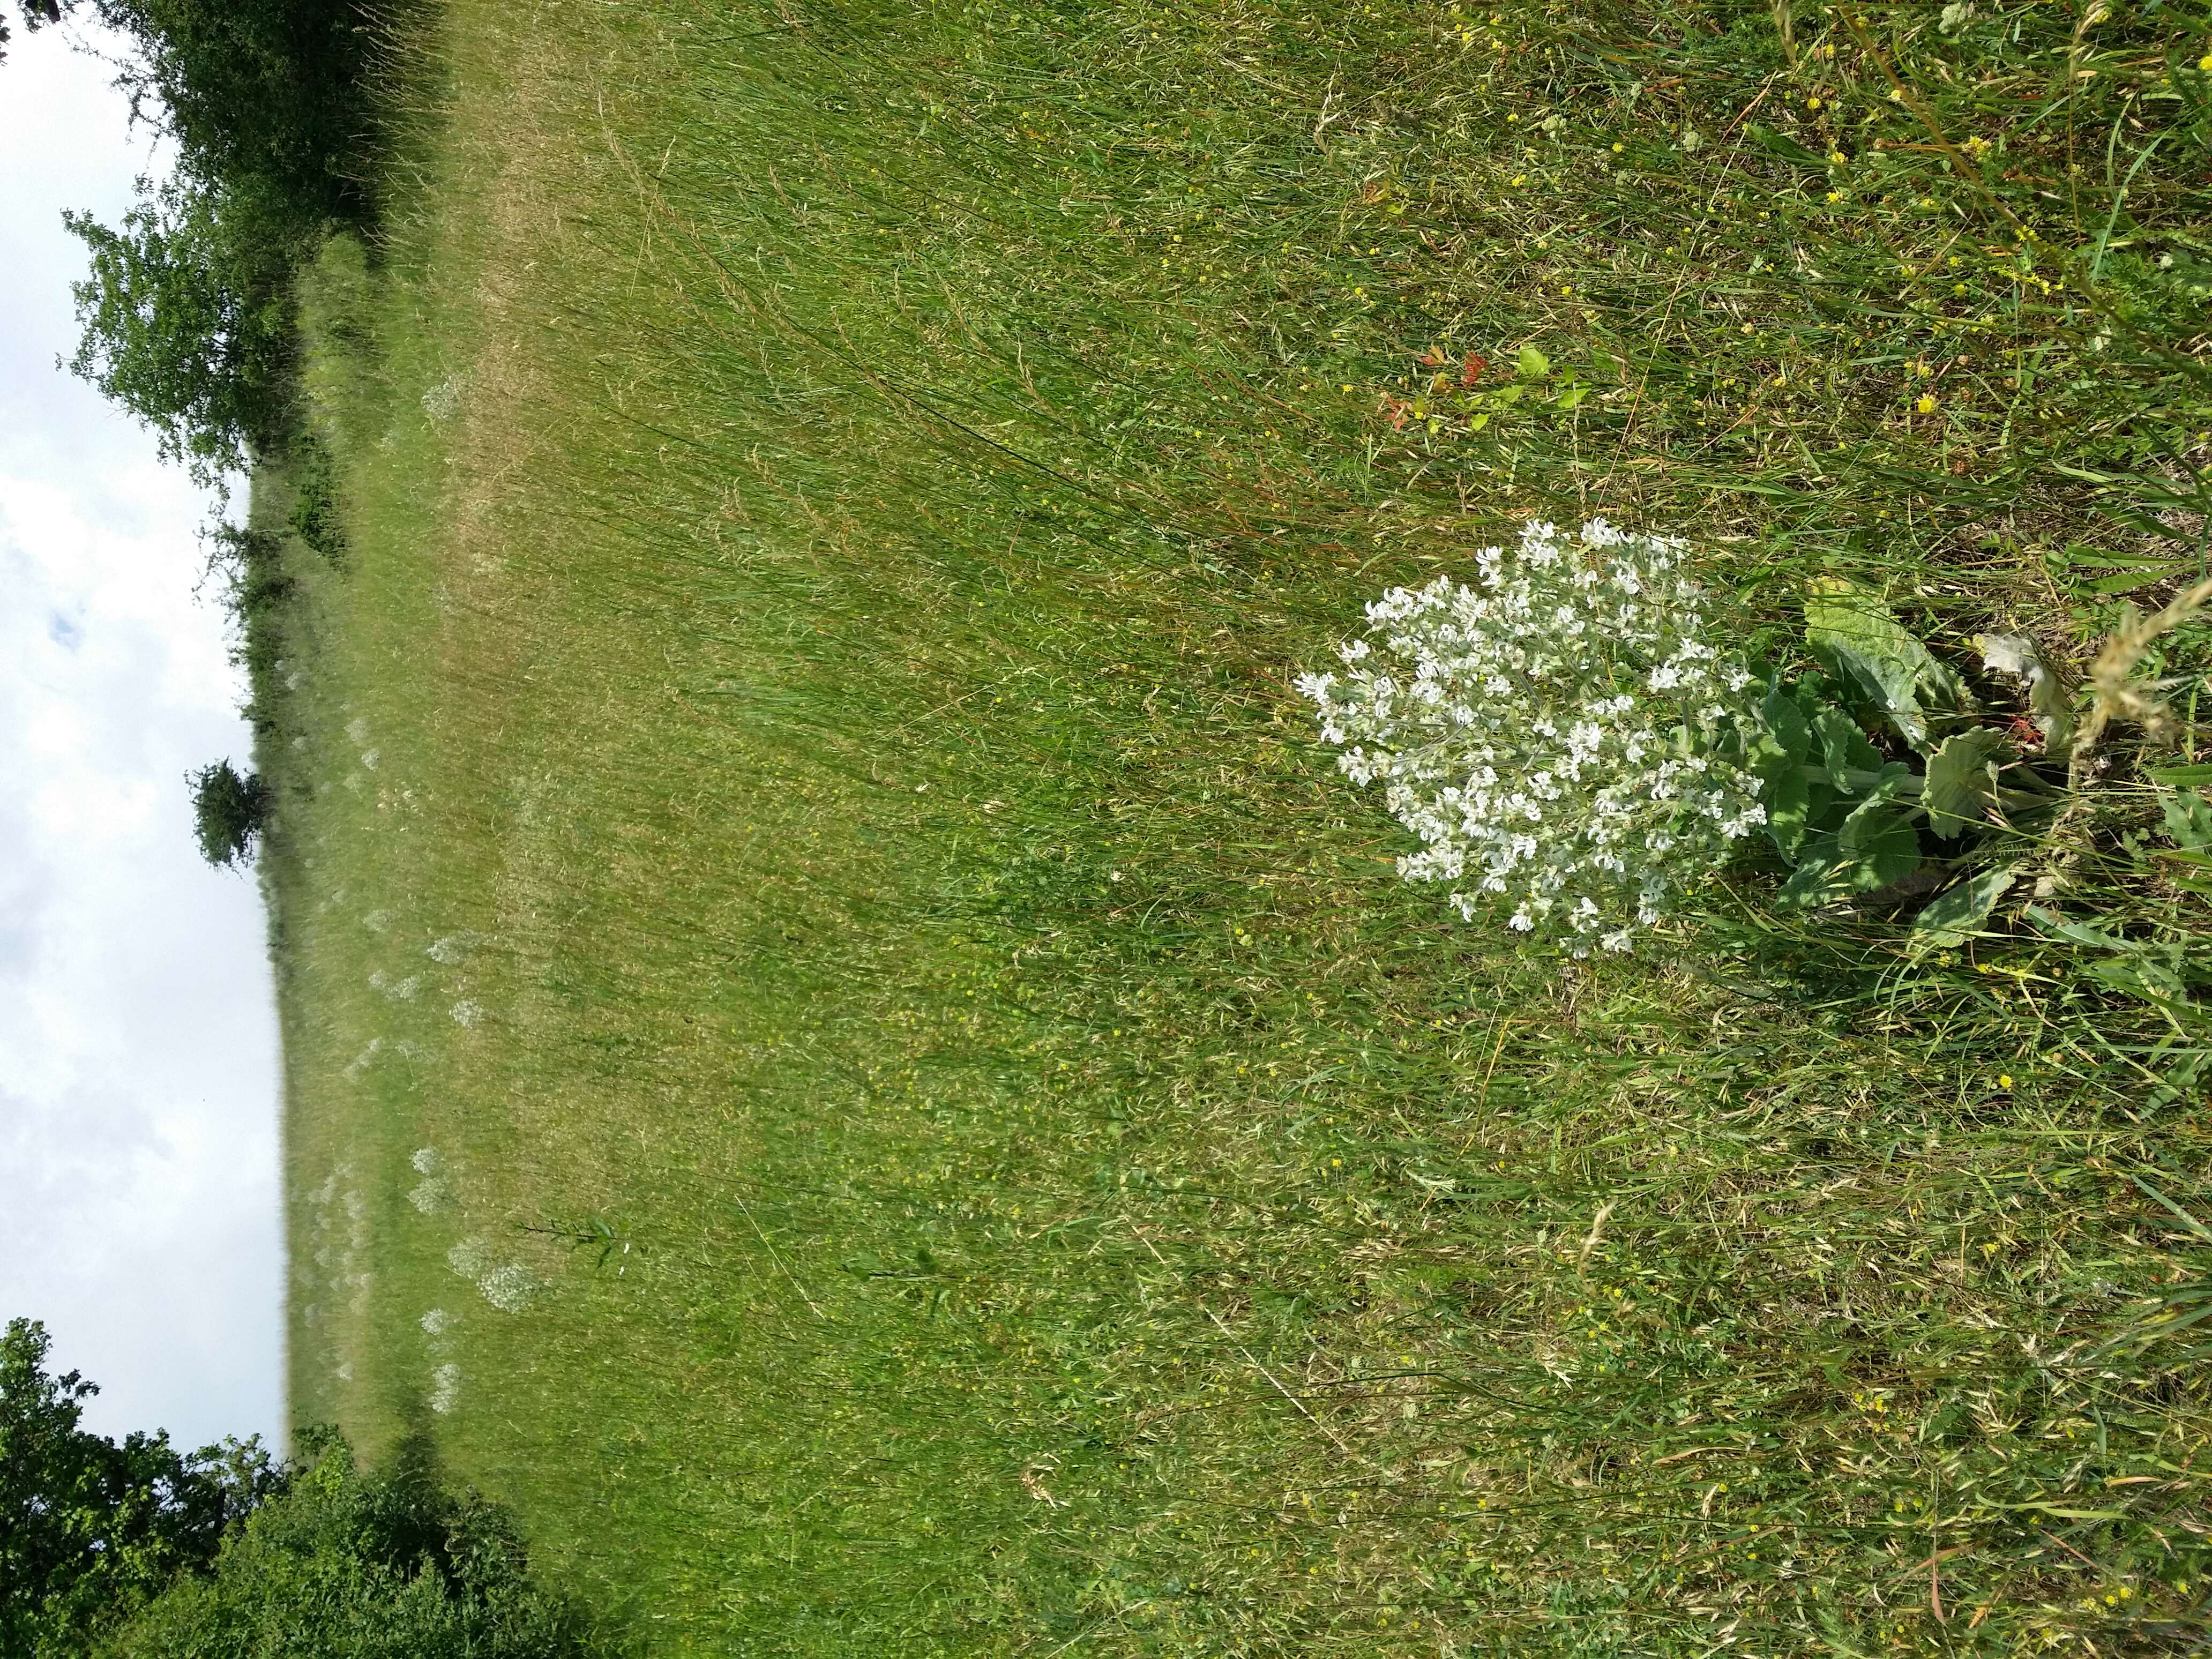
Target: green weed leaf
{"points": [[1862, 636], [2189, 821], [1877, 846], [1957, 914], [1785, 721], [1532, 364], [1789, 804], [1962, 779], [1844, 748], [1812, 883]]}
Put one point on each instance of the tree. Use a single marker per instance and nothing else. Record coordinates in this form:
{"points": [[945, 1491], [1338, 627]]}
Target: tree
{"points": [[91, 1530], [229, 809], [264, 94], [187, 320]]}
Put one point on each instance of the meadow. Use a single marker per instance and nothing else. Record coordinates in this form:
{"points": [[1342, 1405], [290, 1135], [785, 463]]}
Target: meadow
{"points": [[849, 1054]]}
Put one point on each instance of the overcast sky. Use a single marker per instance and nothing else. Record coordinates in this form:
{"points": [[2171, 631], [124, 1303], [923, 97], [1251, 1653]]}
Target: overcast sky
{"points": [[138, 1077]]}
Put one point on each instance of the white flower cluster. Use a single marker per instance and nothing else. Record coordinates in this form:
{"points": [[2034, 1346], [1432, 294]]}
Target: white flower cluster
{"points": [[509, 1286], [1552, 733]]}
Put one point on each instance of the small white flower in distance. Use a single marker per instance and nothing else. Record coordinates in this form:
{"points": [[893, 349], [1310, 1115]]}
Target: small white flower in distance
{"points": [[357, 731], [466, 1013], [431, 1196], [426, 1160], [470, 1258], [510, 1288], [1565, 748], [445, 1388], [452, 948], [437, 1322]]}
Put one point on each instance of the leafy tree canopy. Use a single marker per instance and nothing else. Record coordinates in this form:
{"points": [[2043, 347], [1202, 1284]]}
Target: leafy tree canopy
{"points": [[229, 809], [187, 320], [89, 1529]]}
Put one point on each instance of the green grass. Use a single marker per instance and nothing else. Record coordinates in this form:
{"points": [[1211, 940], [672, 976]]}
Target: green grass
{"points": [[832, 498]]}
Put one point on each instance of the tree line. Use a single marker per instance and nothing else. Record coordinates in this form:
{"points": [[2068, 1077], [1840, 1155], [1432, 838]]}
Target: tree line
{"points": [[187, 312]]}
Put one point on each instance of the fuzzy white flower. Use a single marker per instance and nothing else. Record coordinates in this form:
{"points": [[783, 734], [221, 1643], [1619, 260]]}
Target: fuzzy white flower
{"points": [[426, 1160], [470, 1258], [510, 1288], [445, 1388], [1555, 734], [437, 1322], [452, 948], [430, 1196]]}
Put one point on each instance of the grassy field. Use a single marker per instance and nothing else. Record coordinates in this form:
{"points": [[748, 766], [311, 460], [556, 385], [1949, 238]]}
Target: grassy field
{"points": [[848, 1055]]}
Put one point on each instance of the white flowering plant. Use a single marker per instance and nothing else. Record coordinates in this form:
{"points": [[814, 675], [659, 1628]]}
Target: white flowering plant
{"points": [[1563, 734], [1573, 746]]}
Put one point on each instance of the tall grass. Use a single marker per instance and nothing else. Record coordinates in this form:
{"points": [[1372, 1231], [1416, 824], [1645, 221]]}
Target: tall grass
{"points": [[833, 496]]}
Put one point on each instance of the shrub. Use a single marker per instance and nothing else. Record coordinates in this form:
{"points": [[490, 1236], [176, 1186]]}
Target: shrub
{"points": [[316, 518], [387, 1566], [230, 811]]}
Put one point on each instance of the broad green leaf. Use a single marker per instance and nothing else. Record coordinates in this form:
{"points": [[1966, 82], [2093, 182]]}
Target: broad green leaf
{"points": [[2127, 581], [1782, 144], [1823, 808], [1844, 748], [1786, 721], [1864, 638], [2189, 821], [1961, 779], [1573, 396], [1956, 915], [1788, 804], [1532, 364], [1813, 881], [1876, 846], [2181, 777]]}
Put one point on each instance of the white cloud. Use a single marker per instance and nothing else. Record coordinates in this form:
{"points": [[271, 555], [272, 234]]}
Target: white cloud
{"points": [[138, 1073]]}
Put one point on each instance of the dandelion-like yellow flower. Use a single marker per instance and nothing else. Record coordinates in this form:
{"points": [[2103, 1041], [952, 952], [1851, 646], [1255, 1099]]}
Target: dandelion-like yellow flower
{"points": [[1926, 405], [2205, 63], [2004, 1080]]}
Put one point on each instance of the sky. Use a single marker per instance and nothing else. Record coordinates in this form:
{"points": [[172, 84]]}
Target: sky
{"points": [[139, 1198]]}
